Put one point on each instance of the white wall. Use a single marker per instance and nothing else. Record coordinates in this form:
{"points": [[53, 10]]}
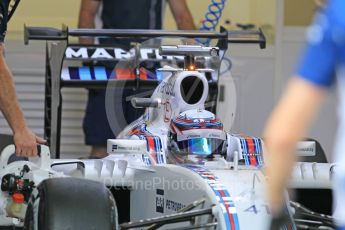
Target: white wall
{"points": [[253, 73], [325, 126]]}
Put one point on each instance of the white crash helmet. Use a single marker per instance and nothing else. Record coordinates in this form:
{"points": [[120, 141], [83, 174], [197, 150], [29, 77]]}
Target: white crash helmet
{"points": [[196, 136]]}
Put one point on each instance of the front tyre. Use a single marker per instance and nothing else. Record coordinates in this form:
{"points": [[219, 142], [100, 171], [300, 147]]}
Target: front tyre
{"points": [[71, 203]]}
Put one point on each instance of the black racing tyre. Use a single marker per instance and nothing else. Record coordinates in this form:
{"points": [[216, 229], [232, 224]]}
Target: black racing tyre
{"points": [[71, 204]]}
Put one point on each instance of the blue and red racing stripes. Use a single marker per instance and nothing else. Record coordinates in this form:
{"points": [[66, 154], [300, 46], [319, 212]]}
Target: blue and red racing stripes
{"points": [[223, 196], [101, 73], [154, 145], [252, 151]]}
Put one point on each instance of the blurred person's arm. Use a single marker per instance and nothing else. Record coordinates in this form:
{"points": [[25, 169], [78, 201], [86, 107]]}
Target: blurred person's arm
{"points": [[182, 15], [24, 139], [87, 14], [286, 126], [301, 101]]}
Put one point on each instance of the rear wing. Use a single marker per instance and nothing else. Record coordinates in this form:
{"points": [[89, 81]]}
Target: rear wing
{"points": [[224, 36], [75, 75]]}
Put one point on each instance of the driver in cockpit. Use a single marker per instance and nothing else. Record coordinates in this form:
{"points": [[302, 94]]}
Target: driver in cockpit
{"points": [[196, 136]]}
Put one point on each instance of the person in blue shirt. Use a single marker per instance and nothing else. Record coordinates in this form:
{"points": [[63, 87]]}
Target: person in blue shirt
{"points": [[322, 62], [24, 139]]}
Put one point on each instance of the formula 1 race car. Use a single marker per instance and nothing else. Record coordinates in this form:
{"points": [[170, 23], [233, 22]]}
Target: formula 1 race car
{"points": [[173, 168]]}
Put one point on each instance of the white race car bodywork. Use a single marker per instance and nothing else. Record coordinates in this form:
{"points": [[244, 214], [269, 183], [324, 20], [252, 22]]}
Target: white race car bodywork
{"points": [[235, 195]]}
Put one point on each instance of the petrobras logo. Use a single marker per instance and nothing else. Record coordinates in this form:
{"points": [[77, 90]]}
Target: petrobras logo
{"points": [[214, 135], [116, 148], [193, 136], [174, 205], [201, 133], [163, 203], [183, 136], [127, 148], [306, 148], [115, 53]]}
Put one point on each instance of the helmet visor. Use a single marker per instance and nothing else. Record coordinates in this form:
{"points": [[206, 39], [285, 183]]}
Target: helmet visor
{"points": [[201, 146]]}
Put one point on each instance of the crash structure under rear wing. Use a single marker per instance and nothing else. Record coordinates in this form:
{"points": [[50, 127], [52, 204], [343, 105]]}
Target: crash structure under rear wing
{"points": [[61, 51]]}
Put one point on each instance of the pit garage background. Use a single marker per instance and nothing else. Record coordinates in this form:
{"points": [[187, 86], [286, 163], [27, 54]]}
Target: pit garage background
{"points": [[259, 75]]}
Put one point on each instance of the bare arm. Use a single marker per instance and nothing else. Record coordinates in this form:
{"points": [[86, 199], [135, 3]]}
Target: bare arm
{"points": [[182, 15], [87, 14], [24, 139], [287, 125], [8, 100]]}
